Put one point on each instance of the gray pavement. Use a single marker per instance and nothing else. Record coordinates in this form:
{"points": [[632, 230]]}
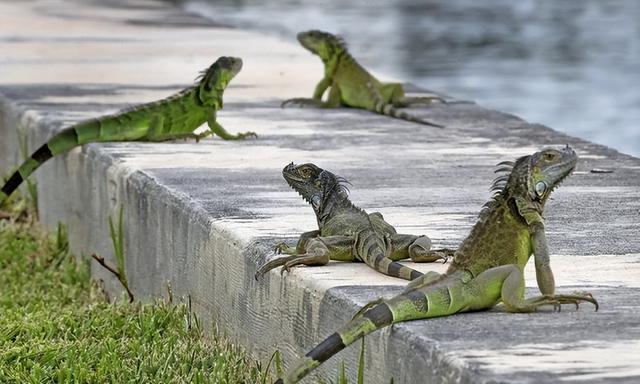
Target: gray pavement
{"points": [[202, 217]]}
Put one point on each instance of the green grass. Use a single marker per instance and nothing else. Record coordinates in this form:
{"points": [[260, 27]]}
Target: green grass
{"points": [[56, 325]]}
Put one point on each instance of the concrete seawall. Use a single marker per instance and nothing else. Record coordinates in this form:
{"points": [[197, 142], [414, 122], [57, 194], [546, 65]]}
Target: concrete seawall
{"points": [[202, 217]]}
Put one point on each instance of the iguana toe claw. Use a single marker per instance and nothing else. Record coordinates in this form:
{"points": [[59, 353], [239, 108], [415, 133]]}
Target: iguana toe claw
{"points": [[280, 248], [248, 134]]}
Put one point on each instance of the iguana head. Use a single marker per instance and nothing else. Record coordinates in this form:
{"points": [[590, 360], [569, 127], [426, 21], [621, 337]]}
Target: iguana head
{"points": [[320, 188], [215, 79], [533, 177], [321, 43]]}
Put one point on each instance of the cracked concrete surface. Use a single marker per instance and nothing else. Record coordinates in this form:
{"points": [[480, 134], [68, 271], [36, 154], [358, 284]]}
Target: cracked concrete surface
{"points": [[202, 217]]}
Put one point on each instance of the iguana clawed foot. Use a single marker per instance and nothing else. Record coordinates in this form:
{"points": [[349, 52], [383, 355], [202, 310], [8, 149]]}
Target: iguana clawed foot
{"points": [[245, 135], [283, 248], [310, 258], [316, 255], [202, 135], [302, 102], [557, 300], [426, 255], [273, 264]]}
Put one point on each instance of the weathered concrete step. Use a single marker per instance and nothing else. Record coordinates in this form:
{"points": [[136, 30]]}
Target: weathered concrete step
{"points": [[201, 217]]}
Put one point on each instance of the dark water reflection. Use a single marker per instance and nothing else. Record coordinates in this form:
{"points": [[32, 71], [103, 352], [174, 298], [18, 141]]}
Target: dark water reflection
{"points": [[573, 65]]}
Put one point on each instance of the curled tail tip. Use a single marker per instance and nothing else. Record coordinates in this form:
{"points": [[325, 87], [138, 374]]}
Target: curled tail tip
{"points": [[425, 122], [434, 125]]}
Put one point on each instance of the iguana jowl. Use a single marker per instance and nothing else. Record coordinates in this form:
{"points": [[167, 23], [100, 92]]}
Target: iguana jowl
{"points": [[487, 268], [175, 117], [346, 233], [351, 85]]}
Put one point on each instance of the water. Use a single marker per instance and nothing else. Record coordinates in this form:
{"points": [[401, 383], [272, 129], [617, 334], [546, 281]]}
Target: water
{"points": [[572, 65]]}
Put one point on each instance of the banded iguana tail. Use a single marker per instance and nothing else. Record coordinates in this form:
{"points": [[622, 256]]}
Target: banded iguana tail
{"points": [[175, 117], [346, 233], [487, 268], [351, 85]]}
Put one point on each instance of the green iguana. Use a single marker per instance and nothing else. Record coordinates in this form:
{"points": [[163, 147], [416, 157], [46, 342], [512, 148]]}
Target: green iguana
{"points": [[486, 269], [176, 117], [351, 85], [346, 233]]}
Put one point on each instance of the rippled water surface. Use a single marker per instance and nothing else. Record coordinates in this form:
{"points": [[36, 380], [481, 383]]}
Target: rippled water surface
{"points": [[572, 65]]}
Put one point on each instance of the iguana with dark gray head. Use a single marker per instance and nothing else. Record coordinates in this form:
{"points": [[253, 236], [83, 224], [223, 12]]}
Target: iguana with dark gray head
{"points": [[351, 85], [176, 117], [488, 266], [346, 233]]}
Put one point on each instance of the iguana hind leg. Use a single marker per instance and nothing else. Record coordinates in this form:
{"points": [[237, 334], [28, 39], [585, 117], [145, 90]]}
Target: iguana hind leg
{"points": [[393, 93], [424, 100], [444, 254], [417, 248], [303, 102], [506, 283], [318, 254], [426, 279], [177, 136], [368, 306], [317, 251], [275, 263]]}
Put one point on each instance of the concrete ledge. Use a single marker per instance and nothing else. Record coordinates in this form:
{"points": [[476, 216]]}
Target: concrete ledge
{"points": [[201, 217]]}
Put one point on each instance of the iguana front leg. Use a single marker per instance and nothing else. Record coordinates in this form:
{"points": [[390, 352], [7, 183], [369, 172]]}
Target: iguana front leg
{"points": [[394, 94], [321, 87], [333, 101], [317, 251], [544, 275], [426, 279], [284, 248], [217, 129]]}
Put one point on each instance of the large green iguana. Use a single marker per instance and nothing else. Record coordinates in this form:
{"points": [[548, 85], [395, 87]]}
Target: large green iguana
{"points": [[176, 117], [487, 268], [351, 85], [346, 233]]}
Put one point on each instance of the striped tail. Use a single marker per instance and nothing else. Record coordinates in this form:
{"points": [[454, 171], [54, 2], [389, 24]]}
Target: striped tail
{"points": [[377, 317], [369, 249], [62, 142], [389, 110], [432, 300]]}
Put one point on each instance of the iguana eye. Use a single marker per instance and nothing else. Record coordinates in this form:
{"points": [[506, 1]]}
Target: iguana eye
{"points": [[549, 156], [541, 187], [305, 172]]}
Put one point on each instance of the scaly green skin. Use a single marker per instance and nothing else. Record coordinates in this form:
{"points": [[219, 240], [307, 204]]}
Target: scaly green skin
{"points": [[175, 117], [346, 233], [487, 268], [351, 85]]}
